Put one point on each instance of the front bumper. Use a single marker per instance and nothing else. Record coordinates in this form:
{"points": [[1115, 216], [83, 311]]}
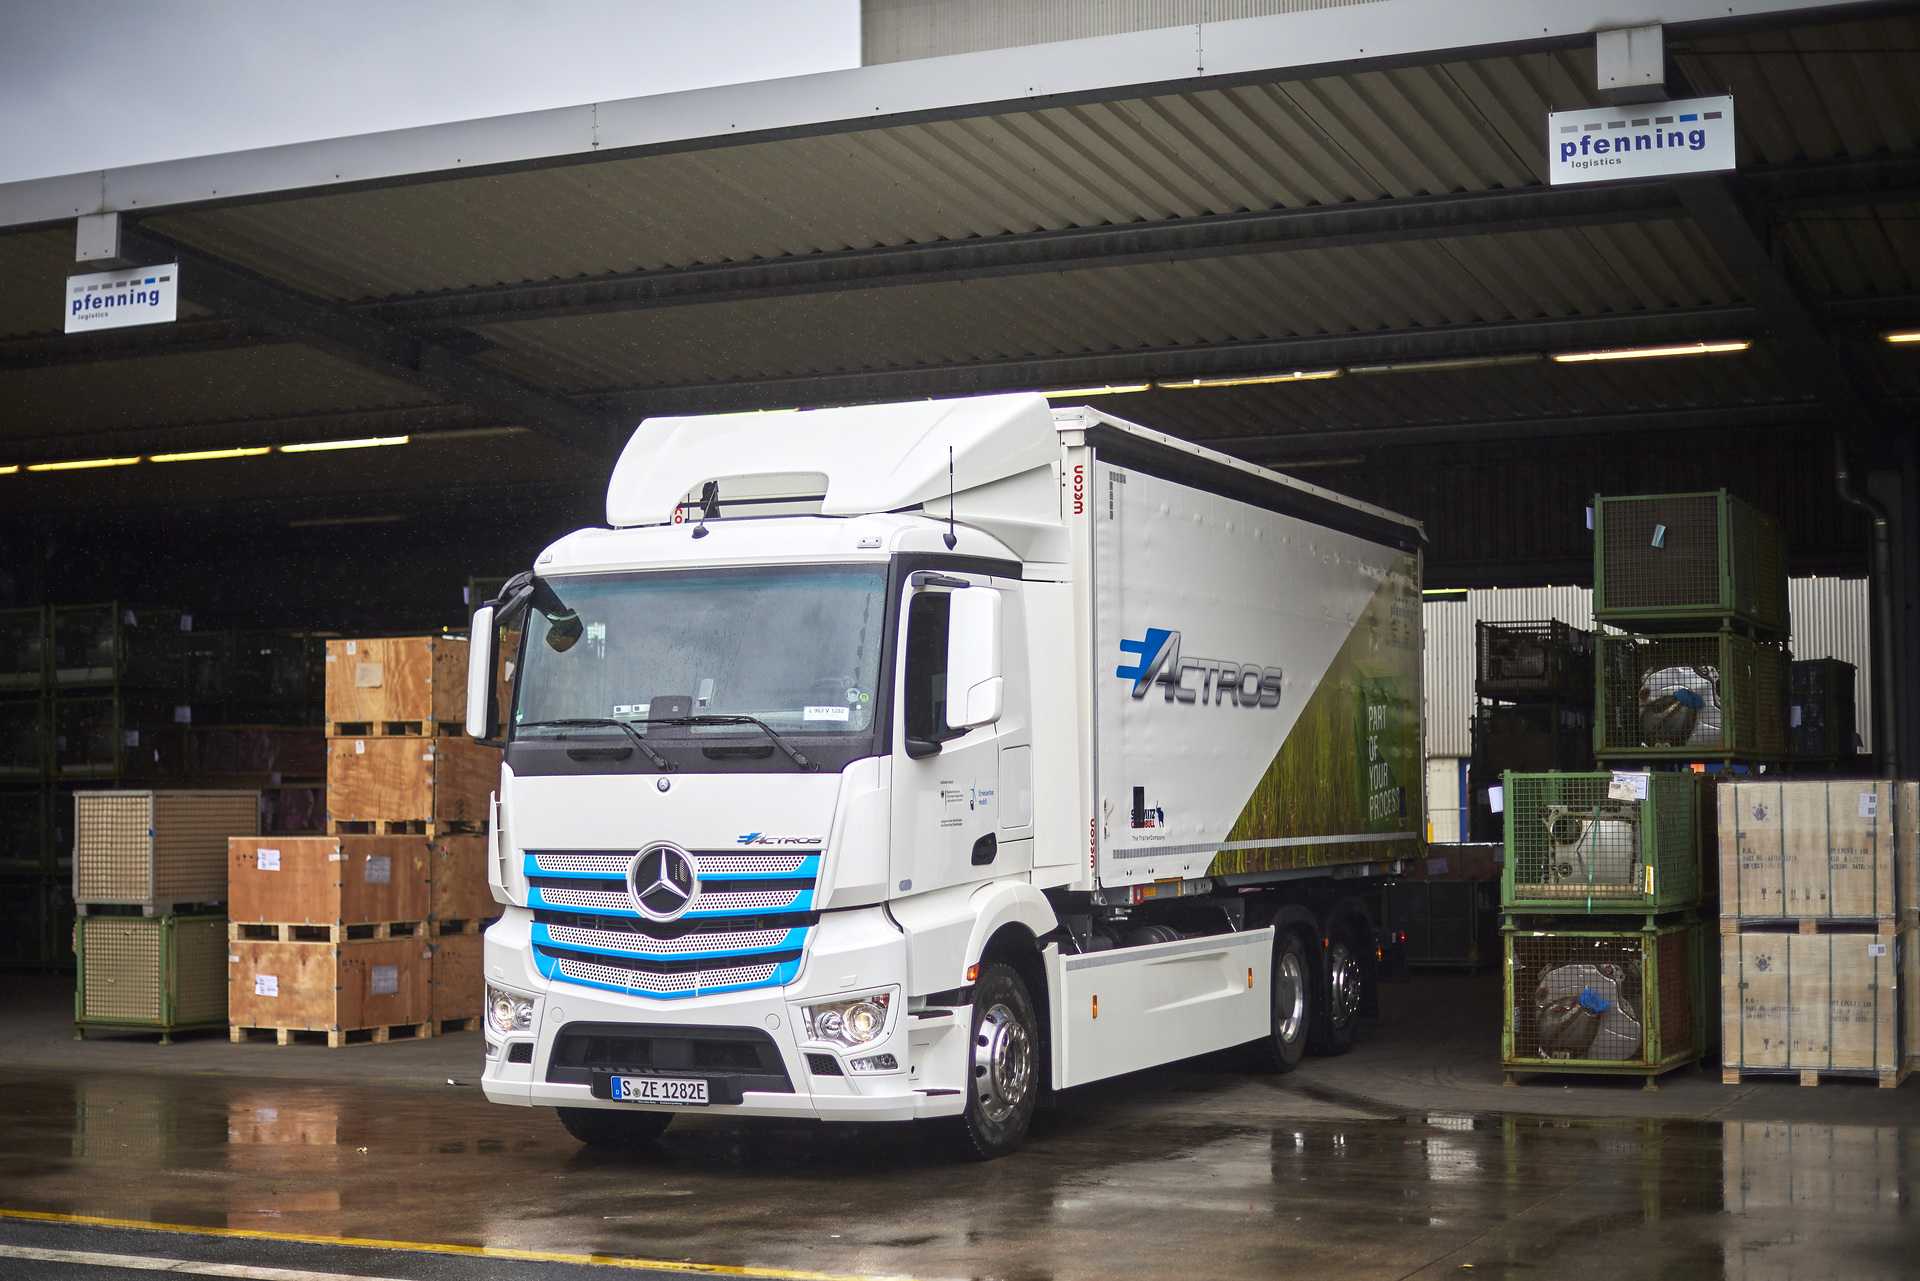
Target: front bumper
{"points": [[851, 953]]}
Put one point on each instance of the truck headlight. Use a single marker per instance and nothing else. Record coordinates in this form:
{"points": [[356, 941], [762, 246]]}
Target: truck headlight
{"points": [[507, 1012], [850, 1023]]}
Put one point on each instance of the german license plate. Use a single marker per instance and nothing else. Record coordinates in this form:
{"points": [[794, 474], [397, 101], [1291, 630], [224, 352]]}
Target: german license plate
{"points": [[678, 1091]]}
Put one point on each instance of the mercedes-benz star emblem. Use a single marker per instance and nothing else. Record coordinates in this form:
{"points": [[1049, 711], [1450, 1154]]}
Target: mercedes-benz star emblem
{"points": [[663, 881]]}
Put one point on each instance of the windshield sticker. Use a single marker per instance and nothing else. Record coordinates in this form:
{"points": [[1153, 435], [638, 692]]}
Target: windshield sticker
{"points": [[826, 713], [638, 710], [854, 697]]}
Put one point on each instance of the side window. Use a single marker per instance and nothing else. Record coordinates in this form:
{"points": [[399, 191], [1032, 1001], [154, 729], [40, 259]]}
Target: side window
{"points": [[926, 671]]}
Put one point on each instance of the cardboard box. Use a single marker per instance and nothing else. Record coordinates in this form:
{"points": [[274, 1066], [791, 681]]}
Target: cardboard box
{"points": [[327, 880], [1816, 848]]}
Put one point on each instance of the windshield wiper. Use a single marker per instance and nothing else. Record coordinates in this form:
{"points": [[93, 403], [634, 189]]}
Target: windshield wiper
{"points": [[710, 719], [604, 721]]}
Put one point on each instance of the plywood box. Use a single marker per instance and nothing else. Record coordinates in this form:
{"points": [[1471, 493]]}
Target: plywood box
{"points": [[457, 988], [156, 849], [1813, 1002], [327, 880], [457, 879], [403, 780], [327, 986], [410, 680], [1817, 849]]}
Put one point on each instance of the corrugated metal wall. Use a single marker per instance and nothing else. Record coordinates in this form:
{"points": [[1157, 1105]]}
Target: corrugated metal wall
{"points": [[1829, 621], [901, 30]]}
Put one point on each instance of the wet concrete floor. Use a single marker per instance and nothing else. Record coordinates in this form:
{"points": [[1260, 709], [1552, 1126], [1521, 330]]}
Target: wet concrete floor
{"points": [[1186, 1172]]}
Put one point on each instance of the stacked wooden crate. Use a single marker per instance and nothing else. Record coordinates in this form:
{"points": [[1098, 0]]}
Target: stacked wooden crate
{"points": [[1817, 886], [372, 932]]}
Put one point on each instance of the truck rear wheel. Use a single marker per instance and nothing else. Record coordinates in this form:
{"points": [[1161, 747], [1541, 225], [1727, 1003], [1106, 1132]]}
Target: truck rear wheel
{"points": [[1293, 1004], [1340, 993], [1003, 1066], [609, 1128]]}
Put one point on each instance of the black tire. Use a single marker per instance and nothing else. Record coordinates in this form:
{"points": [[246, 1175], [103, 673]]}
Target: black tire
{"points": [[1294, 1003], [613, 1128], [1340, 989], [1004, 1067]]}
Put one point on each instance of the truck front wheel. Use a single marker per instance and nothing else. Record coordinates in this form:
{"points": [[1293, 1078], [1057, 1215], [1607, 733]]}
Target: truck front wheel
{"points": [[1293, 1001], [1003, 1066], [609, 1128]]}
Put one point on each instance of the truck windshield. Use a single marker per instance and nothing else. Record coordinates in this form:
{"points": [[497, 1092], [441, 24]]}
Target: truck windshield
{"points": [[798, 649]]}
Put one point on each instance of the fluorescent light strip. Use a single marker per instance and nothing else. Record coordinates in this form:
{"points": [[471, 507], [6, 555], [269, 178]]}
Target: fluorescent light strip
{"points": [[79, 463], [1112, 390], [1905, 335], [8, 471], [1635, 353], [204, 454], [1294, 376], [365, 443]]}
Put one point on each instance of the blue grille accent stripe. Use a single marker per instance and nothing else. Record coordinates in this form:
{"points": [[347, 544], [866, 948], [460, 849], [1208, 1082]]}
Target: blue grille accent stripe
{"points": [[802, 903], [808, 870]]}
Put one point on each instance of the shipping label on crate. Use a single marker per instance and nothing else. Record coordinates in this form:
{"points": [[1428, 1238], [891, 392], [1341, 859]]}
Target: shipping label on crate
{"points": [[379, 870], [384, 979], [1627, 787], [266, 985], [267, 860]]}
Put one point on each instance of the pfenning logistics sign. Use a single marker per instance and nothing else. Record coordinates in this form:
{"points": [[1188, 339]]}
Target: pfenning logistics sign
{"points": [[116, 299], [1644, 140]]}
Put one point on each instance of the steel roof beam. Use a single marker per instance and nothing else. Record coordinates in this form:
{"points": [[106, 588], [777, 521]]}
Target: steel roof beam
{"points": [[1361, 223], [179, 338], [387, 348], [1275, 450]]}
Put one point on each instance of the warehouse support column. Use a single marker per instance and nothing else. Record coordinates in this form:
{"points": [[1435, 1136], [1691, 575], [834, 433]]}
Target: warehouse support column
{"points": [[1894, 488]]}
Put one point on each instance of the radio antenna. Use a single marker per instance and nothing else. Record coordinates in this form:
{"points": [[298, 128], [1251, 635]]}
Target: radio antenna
{"points": [[948, 538]]}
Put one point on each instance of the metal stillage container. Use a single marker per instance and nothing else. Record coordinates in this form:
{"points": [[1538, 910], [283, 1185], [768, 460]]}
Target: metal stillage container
{"points": [[165, 973], [1713, 696], [155, 850], [1586, 843], [1676, 561], [1533, 659], [1604, 1001]]}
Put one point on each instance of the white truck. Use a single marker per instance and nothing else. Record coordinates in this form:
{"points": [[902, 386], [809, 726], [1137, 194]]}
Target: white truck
{"points": [[909, 761]]}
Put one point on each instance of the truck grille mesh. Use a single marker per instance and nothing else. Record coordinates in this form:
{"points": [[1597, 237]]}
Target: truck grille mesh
{"points": [[643, 945], [721, 901], [643, 981]]}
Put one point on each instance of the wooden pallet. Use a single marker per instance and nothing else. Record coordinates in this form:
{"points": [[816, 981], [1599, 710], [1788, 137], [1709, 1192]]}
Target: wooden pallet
{"points": [[395, 729], [447, 1027], [1888, 1078], [472, 925], [312, 932], [406, 827], [335, 1037], [1883, 925]]}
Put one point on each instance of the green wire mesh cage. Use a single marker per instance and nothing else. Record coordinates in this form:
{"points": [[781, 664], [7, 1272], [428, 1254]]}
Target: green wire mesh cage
{"points": [[23, 649], [1713, 696], [1583, 843], [1673, 561], [1530, 659], [159, 972], [1622, 1001]]}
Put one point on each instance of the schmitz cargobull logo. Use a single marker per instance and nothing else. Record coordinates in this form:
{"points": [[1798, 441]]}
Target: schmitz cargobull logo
{"points": [[1216, 680]]}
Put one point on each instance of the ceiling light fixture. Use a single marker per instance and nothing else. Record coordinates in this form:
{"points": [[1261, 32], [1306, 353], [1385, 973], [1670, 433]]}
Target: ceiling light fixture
{"points": [[365, 443], [1635, 353], [1454, 362], [203, 454], [78, 463], [8, 471], [1903, 335], [1112, 389], [1247, 380]]}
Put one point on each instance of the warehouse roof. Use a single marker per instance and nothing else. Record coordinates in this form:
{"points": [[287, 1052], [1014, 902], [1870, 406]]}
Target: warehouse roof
{"points": [[1354, 195]]}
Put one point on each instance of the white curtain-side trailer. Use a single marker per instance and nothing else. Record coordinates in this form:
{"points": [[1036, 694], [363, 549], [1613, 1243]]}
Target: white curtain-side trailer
{"points": [[912, 761]]}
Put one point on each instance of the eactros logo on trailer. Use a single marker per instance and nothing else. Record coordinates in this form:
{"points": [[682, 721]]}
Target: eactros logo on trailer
{"points": [[1216, 681]]}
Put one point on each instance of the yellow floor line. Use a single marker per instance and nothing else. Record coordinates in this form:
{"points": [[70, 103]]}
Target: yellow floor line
{"points": [[477, 1251]]}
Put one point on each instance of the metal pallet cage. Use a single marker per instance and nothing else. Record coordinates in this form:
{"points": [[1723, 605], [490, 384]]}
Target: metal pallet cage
{"points": [[1526, 659], [1712, 696], [1610, 1001], [23, 738], [1675, 561], [118, 644], [23, 649], [1820, 708], [1573, 845], [155, 849], [164, 973]]}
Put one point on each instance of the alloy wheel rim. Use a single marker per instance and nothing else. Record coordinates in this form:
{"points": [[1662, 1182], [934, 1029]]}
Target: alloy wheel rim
{"points": [[1002, 1063], [1289, 997], [1343, 974]]}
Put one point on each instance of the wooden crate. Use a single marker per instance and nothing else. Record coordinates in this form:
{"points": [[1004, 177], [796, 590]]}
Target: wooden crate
{"points": [[438, 781], [457, 988], [327, 987], [457, 879], [1820, 848], [327, 880], [1812, 1003], [415, 683], [156, 849]]}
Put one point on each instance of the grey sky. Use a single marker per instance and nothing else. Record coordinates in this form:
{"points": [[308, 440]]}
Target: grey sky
{"points": [[91, 84]]}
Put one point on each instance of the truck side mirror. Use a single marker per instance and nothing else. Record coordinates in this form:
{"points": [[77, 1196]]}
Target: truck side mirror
{"points": [[479, 672], [973, 658]]}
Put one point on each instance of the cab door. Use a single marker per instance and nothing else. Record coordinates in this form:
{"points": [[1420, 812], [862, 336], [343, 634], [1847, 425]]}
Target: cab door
{"points": [[946, 813]]}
